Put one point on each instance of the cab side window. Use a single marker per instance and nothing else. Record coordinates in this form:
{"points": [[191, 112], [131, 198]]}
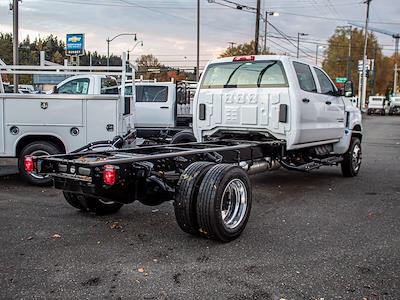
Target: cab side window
{"points": [[109, 86], [326, 85], [151, 94], [305, 77], [76, 86]]}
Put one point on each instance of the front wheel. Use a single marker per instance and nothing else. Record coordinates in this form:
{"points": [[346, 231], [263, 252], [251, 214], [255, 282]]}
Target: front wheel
{"points": [[91, 204], [352, 159]]}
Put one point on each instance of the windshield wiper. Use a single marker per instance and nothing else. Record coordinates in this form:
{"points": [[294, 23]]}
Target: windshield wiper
{"points": [[233, 73], [263, 72]]}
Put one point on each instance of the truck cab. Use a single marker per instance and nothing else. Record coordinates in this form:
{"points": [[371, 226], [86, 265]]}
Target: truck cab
{"points": [[274, 96], [87, 85], [164, 109]]}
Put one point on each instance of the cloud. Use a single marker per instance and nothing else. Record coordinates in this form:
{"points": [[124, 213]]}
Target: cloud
{"points": [[168, 29]]}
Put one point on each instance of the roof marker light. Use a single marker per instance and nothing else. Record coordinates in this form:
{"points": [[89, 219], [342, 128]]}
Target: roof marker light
{"points": [[244, 58]]}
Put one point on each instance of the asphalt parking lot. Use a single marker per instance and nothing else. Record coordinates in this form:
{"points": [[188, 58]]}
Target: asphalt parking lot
{"points": [[310, 236]]}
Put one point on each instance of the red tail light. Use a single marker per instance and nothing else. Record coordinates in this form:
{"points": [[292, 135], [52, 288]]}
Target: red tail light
{"points": [[28, 164], [109, 175], [242, 58]]}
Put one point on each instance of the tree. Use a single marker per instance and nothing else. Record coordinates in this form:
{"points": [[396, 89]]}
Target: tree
{"points": [[241, 49], [335, 63], [148, 61]]}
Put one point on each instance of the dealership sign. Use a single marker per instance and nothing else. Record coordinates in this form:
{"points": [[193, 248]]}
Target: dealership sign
{"points": [[75, 44]]}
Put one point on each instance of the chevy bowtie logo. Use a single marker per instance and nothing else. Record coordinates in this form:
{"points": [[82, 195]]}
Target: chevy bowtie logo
{"points": [[74, 39]]}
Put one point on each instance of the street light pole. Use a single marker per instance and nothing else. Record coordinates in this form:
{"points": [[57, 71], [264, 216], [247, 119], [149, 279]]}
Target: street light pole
{"points": [[108, 40], [364, 67], [349, 59], [15, 42], [198, 43], [134, 47], [298, 42]]}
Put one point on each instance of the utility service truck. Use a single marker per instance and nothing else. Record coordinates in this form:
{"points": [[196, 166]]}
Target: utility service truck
{"points": [[251, 114], [81, 109]]}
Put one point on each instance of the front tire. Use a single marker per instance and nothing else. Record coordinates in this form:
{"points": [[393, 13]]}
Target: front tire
{"points": [[184, 136], [39, 148], [91, 204], [351, 163], [224, 203]]}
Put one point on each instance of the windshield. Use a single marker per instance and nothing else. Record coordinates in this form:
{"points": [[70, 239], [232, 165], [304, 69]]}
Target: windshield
{"points": [[245, 74]]}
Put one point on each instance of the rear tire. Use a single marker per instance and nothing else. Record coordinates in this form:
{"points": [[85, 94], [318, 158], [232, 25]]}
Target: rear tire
{"points": [[224, 203], [91, 204], [186, 196], [39, 148], [352, 159]]}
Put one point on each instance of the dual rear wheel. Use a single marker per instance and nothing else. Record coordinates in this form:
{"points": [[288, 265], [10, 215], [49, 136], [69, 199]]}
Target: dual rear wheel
{"points": [[91, 204], [213, 201]]}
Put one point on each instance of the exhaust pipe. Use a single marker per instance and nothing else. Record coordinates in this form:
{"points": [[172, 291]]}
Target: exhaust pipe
{"points": [[260, 166]]}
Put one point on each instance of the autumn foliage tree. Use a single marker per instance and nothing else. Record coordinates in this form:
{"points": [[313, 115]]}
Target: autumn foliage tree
{"points": [[241, 49], [336, 60]]}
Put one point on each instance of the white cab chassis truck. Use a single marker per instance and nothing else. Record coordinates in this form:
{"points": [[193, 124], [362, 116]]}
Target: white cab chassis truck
{"points": [[376, 105], [82, 109], [394, 106], [164, 110], [251, 114]]}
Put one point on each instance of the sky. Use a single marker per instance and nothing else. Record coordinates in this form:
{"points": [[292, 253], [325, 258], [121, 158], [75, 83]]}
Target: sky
{"points": [[168, 27]]}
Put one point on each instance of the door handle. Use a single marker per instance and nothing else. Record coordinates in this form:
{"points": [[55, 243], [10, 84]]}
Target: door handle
{"points": [[328, 102], [305, 100], [164, 107]]}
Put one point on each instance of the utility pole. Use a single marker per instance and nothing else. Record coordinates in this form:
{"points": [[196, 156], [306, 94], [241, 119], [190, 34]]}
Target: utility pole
{"points": [[257, 33], [198, 42], [15, 41], [265, 32], [364, 67], [396, 52], [231, 44]]}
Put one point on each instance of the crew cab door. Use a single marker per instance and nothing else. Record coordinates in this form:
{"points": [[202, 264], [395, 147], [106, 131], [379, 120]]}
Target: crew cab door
{"points": [[310, 106], [332, 115], [155, 106]]}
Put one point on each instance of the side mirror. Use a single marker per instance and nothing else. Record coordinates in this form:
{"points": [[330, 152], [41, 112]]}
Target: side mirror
{"points": [[55, 90], [348, 89]]}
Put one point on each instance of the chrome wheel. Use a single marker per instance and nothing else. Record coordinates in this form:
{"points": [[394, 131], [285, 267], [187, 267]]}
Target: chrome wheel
{"points": [[39, 153], [234, 203], [356, 157]]}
